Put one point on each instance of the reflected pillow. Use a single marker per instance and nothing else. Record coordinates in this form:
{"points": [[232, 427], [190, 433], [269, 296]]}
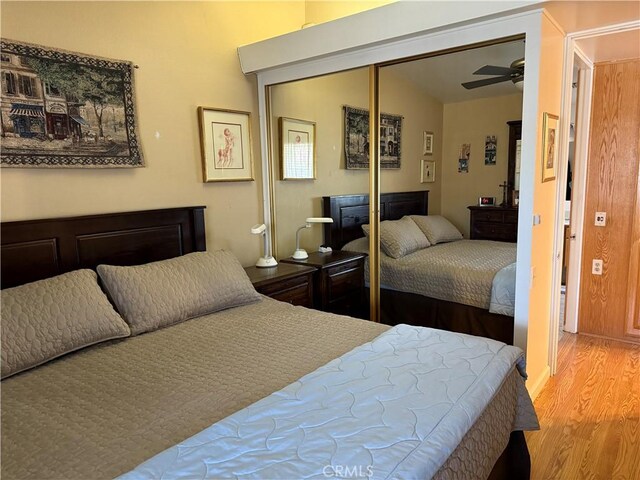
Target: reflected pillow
{"points": [[400, 237], [48, 318], [437, 228], [159, 294]]}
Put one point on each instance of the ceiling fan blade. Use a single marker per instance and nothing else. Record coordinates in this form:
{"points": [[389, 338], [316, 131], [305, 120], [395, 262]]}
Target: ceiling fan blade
{"points": [[486, 81], [495, 70]]}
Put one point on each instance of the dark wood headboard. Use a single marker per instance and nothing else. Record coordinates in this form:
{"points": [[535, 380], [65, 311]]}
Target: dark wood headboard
{"points": [[350, 212], [37, 249]]}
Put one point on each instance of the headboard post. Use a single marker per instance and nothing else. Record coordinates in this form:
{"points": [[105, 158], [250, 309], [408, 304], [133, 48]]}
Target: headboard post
{"points": [[350, 212]]}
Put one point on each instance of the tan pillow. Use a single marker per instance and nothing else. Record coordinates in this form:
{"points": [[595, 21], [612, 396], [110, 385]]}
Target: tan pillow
{"points": [[162, 293], [399, 237], [437, 228], [45, 319]]}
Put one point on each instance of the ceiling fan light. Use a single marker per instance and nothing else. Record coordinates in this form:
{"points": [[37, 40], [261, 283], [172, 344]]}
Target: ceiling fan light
{"points": [[519, 83]]}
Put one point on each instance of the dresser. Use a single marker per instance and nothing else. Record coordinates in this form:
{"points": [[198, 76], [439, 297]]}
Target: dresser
{"points": [[494, 223], [288, 283], [338, 282]]}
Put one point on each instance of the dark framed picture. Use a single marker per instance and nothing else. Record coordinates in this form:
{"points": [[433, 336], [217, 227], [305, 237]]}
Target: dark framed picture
{"points": [[66, 110], [356, 139], [487, 201]]}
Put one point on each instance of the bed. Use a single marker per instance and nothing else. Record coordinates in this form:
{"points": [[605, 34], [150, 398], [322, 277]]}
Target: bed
{"points": [[465, 286], [193, 398]]}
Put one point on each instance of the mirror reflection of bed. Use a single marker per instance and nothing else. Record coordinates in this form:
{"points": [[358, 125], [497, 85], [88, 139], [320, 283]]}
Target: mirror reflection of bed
{"points": [[435, 279], [428, 96]]}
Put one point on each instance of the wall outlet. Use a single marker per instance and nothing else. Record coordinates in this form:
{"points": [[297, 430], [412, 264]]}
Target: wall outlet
{"points": [[596, 266], [601, 219]]}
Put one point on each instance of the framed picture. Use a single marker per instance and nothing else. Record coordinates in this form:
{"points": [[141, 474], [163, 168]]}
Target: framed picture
{"points": [[428, 171], [490, 145], [427, 143], [64, 109], [356, 139], [549, 146], [225, 141], [297, 149], [487, 201], [463, 158]]}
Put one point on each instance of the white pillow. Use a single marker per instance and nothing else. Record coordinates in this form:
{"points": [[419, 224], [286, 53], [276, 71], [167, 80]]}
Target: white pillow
{"points": [[437, 228], [400, 237]]}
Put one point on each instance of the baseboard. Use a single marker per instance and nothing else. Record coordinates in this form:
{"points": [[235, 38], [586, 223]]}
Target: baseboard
{"points": [[535, 385]]}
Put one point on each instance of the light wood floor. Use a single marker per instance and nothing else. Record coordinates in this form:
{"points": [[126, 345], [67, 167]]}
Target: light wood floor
{"points": [[589, 413]]}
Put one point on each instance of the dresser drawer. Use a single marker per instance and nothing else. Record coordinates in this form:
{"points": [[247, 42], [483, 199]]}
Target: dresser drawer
{"points": [[488, 216], [494, 231], [511, 217]]}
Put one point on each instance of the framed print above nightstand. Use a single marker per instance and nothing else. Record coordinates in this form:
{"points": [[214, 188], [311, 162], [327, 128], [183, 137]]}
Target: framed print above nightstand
{"points": [[225, 142]]}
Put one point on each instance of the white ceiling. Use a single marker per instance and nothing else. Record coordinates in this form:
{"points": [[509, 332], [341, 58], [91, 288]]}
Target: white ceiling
{"points": [[615, 46], [441, 76]]}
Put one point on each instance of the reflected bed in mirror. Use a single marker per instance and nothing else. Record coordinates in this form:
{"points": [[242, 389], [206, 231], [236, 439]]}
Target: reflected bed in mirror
{"points": [[440, 286]]}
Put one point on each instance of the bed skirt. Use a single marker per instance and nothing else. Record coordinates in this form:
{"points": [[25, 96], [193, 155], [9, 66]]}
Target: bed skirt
{"points": [[402, 307]]}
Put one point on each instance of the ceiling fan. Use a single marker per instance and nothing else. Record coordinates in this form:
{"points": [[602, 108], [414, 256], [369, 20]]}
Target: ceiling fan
{"points": [[514, 72]]}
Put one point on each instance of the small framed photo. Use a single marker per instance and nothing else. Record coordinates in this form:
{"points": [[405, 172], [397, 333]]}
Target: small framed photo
{"points": [[428, 171], [487, 201], [427, 143], [297, 149], [549, 146], [225, 141]]}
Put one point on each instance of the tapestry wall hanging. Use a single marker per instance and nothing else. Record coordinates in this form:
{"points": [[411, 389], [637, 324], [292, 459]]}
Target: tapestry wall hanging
{"points": [[356, 139], [63, 109]]}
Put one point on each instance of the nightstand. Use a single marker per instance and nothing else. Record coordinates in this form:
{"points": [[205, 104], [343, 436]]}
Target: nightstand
{"points": [[338, 284], [288, 283]]}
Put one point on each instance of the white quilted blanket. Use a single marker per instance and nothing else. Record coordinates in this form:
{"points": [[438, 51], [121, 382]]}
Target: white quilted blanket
{"points": [[395, 407]]}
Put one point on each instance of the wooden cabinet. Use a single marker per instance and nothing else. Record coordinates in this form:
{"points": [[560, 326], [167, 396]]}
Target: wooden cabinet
{"points": [[494, 223], [287, 283], [338, 284]]}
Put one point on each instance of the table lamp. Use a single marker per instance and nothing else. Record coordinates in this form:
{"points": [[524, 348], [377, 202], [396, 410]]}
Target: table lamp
{"points": [[301, 253], [267, 259]]}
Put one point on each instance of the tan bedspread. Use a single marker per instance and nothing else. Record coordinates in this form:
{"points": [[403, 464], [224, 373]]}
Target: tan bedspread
{"points": [[100, 412], [460, 272]]}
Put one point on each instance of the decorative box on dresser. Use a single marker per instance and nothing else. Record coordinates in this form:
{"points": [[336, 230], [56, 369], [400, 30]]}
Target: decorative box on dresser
{"points": [[338, 284], [494, 223], [288, 283]]}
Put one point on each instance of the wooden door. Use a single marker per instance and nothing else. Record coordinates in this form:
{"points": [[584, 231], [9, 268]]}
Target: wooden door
{"points": [[609, 303]]}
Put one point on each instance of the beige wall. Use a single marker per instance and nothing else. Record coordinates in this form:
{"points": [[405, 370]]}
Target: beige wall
{"points": [[326, 10], [187, 57], [470, 122], [544, 203], [320, 100]]}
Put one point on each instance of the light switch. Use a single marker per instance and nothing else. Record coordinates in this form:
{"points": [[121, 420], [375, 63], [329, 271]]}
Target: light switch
{"points": [[601, 219], [537, 219], [596, 266]]}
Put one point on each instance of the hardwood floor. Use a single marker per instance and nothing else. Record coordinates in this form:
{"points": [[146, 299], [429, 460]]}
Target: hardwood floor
{"points": [[589, 413]]}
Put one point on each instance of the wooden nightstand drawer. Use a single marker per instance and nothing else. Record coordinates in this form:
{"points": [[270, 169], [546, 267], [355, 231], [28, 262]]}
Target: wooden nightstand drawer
{"points": [[493, 231], [286, 283], [298, 295], [343, 281], [338, 283]]}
